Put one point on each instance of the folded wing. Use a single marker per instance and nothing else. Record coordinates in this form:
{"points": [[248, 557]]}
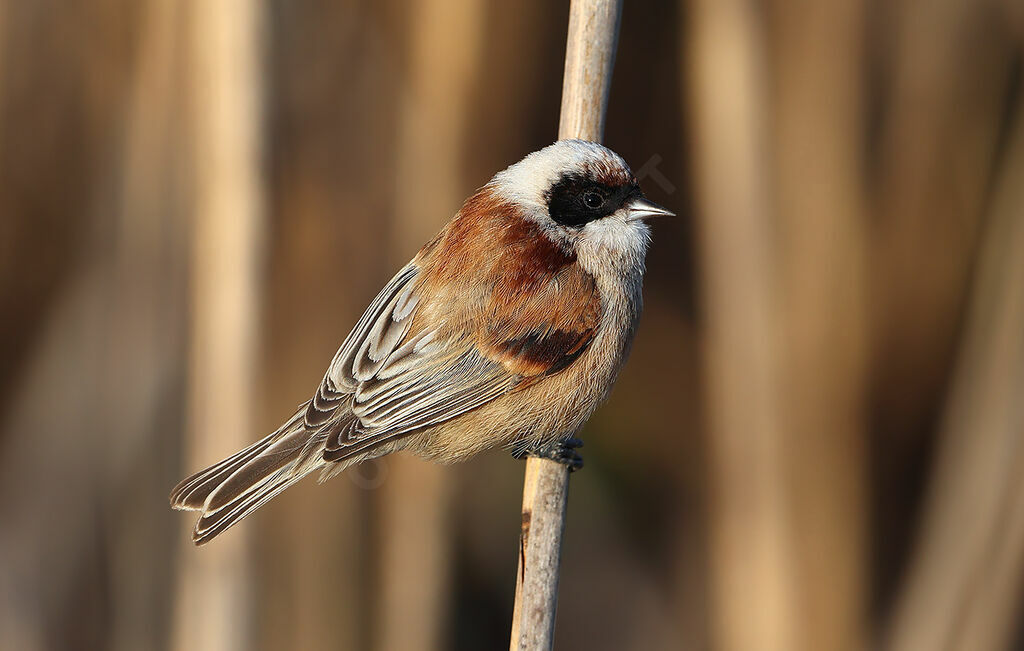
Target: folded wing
{"points": [[397, 374]]}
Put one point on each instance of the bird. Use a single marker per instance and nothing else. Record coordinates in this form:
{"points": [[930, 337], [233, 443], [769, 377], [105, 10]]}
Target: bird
{"points": [[507, 329]]}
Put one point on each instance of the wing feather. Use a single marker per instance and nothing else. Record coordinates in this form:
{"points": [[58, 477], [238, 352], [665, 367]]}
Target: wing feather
{"points": [[395, 375], [340, 381]]}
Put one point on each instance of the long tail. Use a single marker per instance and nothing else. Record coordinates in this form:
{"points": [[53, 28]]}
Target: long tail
{"points": [[228, 491]]}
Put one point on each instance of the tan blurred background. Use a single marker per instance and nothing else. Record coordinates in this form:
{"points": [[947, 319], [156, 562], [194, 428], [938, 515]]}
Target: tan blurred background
{"points": [[817, 444]]}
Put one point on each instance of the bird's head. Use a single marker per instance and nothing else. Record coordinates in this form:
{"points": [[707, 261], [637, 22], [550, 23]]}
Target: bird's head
{"points": [[584, 198]]}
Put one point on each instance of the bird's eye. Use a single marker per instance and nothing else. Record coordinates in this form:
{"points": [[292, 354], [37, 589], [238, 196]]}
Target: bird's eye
{"points": [[593, 200], [575, 201]]}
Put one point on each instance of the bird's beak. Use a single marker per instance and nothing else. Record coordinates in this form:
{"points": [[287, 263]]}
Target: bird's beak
{"points": [[644, 209]]}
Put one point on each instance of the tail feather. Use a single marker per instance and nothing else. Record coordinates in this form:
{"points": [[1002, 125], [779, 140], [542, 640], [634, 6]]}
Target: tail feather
{"points": [[278, 458], [229, 490], [213, 523], [192, 492]]}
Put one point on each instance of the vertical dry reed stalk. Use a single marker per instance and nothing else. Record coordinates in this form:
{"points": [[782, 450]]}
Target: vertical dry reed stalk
{"points": [[817, 128], [782, 256], [589, 58], [753, 602], [963, 588], [112, 335], [213, 608]]}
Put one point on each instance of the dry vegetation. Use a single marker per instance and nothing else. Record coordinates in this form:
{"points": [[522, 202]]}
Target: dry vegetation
{"points": [[817, 444]]}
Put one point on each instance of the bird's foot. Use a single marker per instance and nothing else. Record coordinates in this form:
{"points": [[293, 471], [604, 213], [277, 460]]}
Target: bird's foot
{"points": [[562, 451]]}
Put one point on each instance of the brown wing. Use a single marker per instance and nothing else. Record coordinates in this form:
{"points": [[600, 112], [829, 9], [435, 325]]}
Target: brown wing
{"points": [[432, 376], [538, 309], [544, 329], [444, 338]]}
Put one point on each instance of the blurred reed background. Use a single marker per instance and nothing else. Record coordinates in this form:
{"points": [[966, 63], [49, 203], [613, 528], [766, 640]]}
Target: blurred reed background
{"points": [[817, 444]]}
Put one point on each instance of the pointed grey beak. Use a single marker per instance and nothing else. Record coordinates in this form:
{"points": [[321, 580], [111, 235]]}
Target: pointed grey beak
{"points": [[644, 209]]}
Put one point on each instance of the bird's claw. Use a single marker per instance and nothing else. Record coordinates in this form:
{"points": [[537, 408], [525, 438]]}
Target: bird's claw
{"points": [[561, 451]]}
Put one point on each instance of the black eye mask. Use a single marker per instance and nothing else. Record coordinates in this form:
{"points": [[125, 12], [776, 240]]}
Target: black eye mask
{"points": [[576, 200]]}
